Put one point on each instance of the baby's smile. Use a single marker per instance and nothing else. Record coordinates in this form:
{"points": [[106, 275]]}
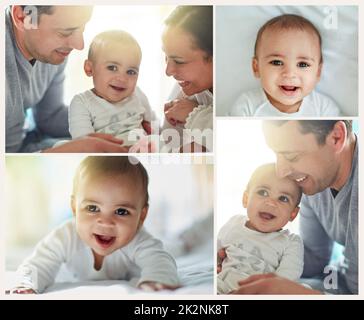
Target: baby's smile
{"points": [[289, 90], [266, 216], [117, 88], [104, 241]]}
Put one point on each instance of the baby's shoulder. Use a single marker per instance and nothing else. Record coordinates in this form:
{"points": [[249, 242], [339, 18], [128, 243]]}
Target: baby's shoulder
{"points": [[247, 102], [324, 105]]}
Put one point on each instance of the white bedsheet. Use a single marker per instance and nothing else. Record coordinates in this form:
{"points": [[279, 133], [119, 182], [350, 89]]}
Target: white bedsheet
{"points": [[195, 271]]}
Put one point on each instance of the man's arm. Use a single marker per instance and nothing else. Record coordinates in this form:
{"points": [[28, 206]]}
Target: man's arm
{"points": [[51, 114], [317, 244]]}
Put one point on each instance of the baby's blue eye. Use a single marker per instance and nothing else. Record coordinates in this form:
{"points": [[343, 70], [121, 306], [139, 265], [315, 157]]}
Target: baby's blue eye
{"points": [[283, 199], [263, 193], [112, 68], [276, 62], [121, 212], [131, 72], [92, 208], [303, 65]]}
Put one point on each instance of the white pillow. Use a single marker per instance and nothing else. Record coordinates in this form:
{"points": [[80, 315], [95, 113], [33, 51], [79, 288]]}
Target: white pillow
{"points": [[236, 30]]}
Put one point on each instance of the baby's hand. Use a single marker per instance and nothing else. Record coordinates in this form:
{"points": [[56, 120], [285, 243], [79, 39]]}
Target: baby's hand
{"points": [[155, 286], [22, 290], [147, 127], [221, 255], [177, 111]]}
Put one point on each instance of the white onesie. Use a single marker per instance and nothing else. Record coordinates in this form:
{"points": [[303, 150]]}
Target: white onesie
{"points": [[251, 252], [90, 113], [255, 103], [142, 259]]}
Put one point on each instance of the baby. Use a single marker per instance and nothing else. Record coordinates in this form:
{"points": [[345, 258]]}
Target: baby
{"points": [[106, 239], [288, 61], [257, 244], [115, 105]]}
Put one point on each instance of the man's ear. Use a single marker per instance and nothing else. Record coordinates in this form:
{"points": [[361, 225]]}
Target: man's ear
{"points": [[255, 67], [143, 215], [19, 17], [245, 199], [337, 137], [24, 19], [87, 66], [294, 213], [73, 205]]}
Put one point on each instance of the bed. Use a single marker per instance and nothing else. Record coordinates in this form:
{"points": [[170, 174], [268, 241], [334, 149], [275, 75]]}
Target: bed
{"points": [[195, 270], [236, 28]]}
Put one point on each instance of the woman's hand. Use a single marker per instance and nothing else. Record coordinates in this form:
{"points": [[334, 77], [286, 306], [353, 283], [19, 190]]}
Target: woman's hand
{"points": [[177, 111]]}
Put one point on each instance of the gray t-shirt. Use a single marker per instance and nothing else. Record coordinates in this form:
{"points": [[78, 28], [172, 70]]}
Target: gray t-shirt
{"points": [[39, 87], [325, 219]]}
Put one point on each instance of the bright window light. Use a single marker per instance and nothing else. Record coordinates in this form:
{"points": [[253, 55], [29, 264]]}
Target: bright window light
{"points": [[239, 151]]}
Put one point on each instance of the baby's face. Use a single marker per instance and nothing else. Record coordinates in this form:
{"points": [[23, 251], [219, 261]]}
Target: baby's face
{"points": [[271, 202], [288, 65], [115, 70], [109, 210]]}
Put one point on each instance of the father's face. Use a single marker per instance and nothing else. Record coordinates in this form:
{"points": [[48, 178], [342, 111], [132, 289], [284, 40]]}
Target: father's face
{"points": [[57, 34], [300, 158]]}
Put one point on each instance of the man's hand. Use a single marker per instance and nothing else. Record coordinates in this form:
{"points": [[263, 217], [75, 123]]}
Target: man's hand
{"points": [[177, 111], [270, 283], [94, 142]]}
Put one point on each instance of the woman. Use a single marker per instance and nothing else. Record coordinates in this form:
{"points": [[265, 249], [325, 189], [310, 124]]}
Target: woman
{"points": [[188, 46]]}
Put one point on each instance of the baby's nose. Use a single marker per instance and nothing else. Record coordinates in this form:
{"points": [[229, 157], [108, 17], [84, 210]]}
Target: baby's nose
{"points": [[289, 71], [271, 202]]}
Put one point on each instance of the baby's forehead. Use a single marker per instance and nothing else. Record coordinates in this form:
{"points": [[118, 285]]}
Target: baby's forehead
{"points": [[267, 176], [280, 31]]}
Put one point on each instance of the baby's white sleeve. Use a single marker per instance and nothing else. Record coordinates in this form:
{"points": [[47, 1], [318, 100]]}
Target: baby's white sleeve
{"points": [[39, 270], [330, 108], [155, 263], [291, 264], [241, 107], [80, 118]]}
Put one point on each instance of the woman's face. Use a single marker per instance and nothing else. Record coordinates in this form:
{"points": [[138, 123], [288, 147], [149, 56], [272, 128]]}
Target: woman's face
{"points": [[189, 65]]}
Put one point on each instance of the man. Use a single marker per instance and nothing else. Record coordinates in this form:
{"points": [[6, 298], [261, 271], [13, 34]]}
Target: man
{"points": [[38, 41], [321, 156]]}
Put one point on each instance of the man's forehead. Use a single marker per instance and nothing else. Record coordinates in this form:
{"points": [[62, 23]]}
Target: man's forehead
{"points": [[287, 137], [67, 17]]}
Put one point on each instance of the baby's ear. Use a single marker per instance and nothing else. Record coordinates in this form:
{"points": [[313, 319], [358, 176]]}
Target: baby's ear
{"points": [[87, 66], [319, 72], [143, 215], [73, 205], [294, 213], [255, 67], [245, 199]]}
